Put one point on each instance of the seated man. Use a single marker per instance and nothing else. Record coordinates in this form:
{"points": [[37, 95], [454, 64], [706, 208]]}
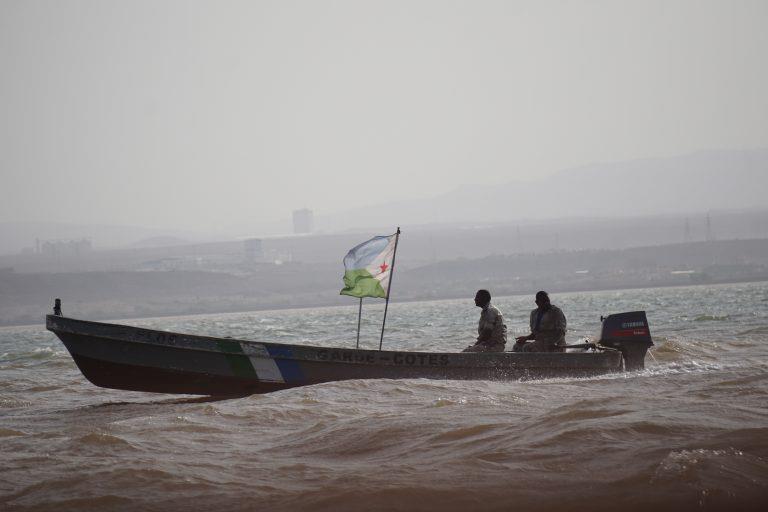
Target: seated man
{"points": [[547, 328], [492, 333]]}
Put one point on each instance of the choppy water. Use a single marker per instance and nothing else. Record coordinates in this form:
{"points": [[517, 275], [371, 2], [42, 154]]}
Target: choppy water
{"points": [[689, 432]]}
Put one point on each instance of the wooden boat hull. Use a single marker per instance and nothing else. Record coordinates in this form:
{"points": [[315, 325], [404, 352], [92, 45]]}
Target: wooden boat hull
{"points": [[132, 358]]}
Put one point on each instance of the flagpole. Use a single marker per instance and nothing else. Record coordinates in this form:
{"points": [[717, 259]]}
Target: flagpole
{"points": [[389, 285], [359, 315]]}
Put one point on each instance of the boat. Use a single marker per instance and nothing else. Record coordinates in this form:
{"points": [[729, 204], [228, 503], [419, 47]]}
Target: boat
{"points": [[137, 359]]}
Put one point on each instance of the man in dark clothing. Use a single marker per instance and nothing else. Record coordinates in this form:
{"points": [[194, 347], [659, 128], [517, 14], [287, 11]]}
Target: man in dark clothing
{"points": [[491, 331], [548, 328]]}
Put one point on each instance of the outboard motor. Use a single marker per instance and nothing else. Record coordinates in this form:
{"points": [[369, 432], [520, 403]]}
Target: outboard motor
{"points": [[629, 333]]}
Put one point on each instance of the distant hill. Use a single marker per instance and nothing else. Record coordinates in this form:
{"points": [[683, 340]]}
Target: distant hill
{"points": [[160, 241], [24, 297], [16, 236], [699, 182], [715, 181]]}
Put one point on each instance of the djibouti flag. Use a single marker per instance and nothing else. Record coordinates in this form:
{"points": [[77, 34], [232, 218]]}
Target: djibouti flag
{"points": [[368, 266]]}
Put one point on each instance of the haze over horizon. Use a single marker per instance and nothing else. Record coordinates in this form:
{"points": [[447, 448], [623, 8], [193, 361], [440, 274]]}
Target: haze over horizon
{"points": [[155, 159], [192, 115]]}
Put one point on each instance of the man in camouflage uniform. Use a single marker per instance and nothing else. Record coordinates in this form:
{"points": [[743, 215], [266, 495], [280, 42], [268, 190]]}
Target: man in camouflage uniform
{"points": [[491, 331], [548, 328]]}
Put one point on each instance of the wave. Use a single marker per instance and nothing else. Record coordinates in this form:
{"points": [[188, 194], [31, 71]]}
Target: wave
{"points": [[443, 402], [187, 424], [702, 465], [9, 432], [40, 389], [712, 318], [12, 403], [465, 432], [39, 355], [750, 380], [763, 329], [100, 439]]}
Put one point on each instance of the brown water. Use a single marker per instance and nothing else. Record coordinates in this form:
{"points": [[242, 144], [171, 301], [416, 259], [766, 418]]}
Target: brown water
{"points": [[690, 432]]}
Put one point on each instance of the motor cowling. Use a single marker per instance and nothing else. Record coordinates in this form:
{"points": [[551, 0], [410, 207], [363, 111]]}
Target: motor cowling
{"points": [[628, 332]]}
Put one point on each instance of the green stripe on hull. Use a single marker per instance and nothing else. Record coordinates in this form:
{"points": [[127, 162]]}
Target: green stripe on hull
{"points": [[239, 362], [231, 347]]}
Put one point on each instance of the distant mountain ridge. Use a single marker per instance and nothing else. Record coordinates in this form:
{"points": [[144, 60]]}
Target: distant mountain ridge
{"points": [[702, 181], [16, 236], [694, 183]]}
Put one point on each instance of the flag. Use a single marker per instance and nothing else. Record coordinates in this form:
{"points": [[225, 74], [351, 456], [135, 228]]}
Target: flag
{"points": [[368, 266]]}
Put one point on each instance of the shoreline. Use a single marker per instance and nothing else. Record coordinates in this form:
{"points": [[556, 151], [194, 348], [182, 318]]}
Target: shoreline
{"points": [[223, 311]]}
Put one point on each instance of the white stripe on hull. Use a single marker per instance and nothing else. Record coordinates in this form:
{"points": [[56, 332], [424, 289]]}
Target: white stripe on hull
{"points": [[265, 367]]}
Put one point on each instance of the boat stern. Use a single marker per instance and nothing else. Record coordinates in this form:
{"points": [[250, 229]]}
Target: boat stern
{"points": [[630, 334]]}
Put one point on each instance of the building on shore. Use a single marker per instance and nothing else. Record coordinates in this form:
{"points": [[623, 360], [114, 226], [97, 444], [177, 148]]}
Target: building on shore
{"points": [[58, 248], [254, 250]]}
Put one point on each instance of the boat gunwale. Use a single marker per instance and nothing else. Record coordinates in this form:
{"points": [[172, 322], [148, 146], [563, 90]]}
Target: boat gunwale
{"points": [[170, 340]]}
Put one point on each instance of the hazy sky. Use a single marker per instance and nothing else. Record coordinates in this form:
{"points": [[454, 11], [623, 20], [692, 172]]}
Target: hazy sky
{"points": [[204, 114]]}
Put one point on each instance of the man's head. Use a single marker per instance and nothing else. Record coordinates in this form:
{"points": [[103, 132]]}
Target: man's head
{"points": [[542, 299], [482, 298]]}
